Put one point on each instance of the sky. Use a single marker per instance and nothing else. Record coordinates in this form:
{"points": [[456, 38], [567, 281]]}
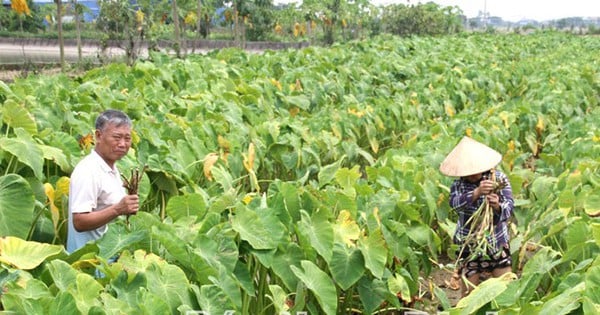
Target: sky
{"points": [[512, 10]]}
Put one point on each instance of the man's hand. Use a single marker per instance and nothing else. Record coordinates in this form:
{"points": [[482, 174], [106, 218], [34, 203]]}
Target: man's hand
{"points": [[87, 221], [128, 205]]}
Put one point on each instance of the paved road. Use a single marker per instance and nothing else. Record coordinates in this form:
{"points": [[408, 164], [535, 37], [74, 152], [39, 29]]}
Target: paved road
{"points": [[33, 54]]}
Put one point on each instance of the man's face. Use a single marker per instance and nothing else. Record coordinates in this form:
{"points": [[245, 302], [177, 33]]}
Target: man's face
{"points": [[113, 143]]}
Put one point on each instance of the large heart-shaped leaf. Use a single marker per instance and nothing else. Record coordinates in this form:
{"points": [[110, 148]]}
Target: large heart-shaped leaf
{"points": [[484, 293], [26, 151], [16, 206], [374, 251], [251, 229], [118, 238], [26, 255], [319, 231], [317, 281], [591, 203], [347, 265], [17, 116], [186, 205]]}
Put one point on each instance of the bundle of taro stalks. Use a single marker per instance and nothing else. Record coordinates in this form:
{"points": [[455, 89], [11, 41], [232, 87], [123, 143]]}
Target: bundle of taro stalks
{"points": [[132, 185], [481, 230]]}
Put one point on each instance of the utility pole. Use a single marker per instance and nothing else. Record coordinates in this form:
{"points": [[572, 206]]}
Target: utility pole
{"points": [[485, 14]]}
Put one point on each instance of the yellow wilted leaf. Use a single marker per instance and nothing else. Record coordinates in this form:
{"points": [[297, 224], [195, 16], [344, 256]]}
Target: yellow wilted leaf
{"points": [[249, 158], [298, 86], [278, 29], [296, 29], [450, 110], [313, 24], [469, 132], [539, 127], [276, 84], [294, 111], [347, 229], [247, 198], [224, 144], [209, 161], [85, 142], [355, 112], [511, 145], [457, 70], [376, 215], [49, 191], [85, 263], [504, 117], [596, 138], [61, 190], [441, 198]]}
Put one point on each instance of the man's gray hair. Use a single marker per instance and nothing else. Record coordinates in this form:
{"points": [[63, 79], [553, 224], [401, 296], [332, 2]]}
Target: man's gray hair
{"points": [[113, 117]]}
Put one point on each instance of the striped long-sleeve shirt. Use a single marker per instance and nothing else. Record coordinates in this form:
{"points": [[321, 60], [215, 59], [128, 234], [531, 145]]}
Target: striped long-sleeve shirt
{"points": [[461, 200]]}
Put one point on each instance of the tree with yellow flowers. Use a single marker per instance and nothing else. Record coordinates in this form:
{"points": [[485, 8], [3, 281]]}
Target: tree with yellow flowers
{"points": [[21, 7]]}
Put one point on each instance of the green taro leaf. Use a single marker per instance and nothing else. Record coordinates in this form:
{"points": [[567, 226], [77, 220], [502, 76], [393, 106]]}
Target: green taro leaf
{"points": [[566, 302], [17, 116], [25, 297], [186, 205], [327, 172], [84, 288], [17, 204], [347, 265], [592, 284], [347, 178], [278, 297], [58, 156], [127, 285], [399, 286], [252, 229], [283, 260], [319, 231], [484, 293], [213, 300], [319, 283], [27, 152], [26, 255], [374, 250], [163, 279], [591, 203], [117, 238], [372, 292]]}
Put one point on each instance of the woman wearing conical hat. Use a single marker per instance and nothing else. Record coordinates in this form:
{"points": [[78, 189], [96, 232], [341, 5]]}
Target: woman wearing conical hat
{"points": [[479, 190]]}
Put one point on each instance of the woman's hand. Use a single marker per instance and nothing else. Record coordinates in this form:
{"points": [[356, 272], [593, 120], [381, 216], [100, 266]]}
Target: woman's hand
{"points": [[494, 201]]}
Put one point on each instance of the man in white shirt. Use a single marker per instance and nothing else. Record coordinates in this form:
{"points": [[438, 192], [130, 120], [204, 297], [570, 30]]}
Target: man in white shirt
{"points": [[96, 192]]}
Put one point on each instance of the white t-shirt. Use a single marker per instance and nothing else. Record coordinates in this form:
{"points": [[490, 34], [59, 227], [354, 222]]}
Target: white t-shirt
{"points": [[93, 187]]}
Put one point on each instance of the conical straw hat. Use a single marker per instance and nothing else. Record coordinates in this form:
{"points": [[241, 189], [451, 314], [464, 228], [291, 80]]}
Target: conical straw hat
{"points": [[469, 157]]}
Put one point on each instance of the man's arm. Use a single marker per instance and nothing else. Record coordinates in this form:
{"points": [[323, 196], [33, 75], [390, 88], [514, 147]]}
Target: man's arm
{"points": [[86, 221]]}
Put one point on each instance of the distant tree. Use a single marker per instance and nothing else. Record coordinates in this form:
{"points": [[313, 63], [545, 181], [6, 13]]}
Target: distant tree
{"points": [[260, 19], [22, 17], [421, 19]]}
